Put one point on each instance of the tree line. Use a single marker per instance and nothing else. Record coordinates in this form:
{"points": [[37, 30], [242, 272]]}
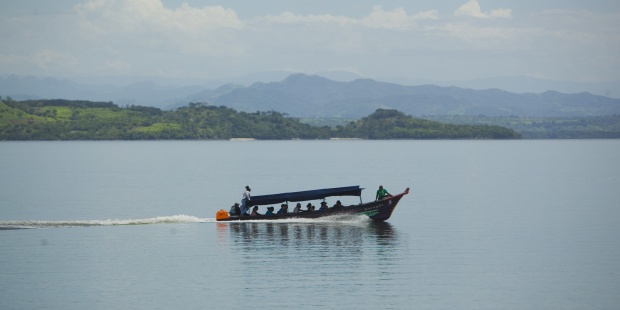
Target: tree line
{"points": [[587, 127], [84, 120]]}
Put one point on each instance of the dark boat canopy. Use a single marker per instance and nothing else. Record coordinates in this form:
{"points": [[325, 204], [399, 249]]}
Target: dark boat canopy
{"points": [[305, 195]]}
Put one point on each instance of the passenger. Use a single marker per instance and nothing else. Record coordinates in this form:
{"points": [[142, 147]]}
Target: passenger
{"points": [[255, 211], [297, 208], [382, 193], [338, 205], [283, 209], [269, 211], [308, 207], [312, 208], [323, 206], [244, 200], [235, 210]]}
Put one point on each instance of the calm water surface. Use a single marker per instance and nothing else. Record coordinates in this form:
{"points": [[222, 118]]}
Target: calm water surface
{"points": [[488, 225]]}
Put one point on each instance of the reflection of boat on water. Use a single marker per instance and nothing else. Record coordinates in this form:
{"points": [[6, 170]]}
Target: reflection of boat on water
{"points": [[383, 230], [343, 236], [379, 210], [293, 245]]}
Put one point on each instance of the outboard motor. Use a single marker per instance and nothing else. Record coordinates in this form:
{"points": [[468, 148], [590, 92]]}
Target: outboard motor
{"points": [[221, 215]]}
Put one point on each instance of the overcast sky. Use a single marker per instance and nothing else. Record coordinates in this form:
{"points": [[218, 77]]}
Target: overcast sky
{"points": [[446, 40]]}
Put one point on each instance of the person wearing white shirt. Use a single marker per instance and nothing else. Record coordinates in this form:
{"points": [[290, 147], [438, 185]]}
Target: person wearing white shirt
{"points": [[244, 200]]}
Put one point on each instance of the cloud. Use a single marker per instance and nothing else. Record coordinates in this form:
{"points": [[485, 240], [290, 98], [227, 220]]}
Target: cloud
{"points": [[125, 18], [144, 37], [378, 18], [118, 66], [123, 27], [395, 19], [472, 8], [45, 61], [292, 18]]}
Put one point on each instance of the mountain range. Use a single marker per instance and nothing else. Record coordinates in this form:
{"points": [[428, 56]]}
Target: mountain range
{"points": [[306, 96], [314, 96]]}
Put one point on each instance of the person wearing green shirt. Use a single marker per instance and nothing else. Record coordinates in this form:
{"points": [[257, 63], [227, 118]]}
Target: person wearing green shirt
{"points": [[382, 193]]}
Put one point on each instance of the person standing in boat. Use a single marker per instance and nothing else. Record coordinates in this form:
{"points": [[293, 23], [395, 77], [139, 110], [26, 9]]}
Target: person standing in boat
{"points": [[382, 193], [244, 201]]}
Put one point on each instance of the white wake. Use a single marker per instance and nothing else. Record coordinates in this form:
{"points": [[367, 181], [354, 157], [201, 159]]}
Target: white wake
{"points": [[174, 219]]}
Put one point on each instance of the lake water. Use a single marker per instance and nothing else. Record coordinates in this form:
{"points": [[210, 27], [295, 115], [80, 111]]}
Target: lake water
{"points": [[487, 225]]}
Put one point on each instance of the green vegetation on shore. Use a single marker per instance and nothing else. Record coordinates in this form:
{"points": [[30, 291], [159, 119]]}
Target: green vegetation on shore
{"points": [[84, 120], [588, 127], [393, 124]]}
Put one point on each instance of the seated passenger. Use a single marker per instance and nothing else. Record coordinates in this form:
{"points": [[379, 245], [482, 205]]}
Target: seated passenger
{"points": [[323, 206], [308, 207], [297, 208], [269, 211], [283, 209], [338, 205], [235, 209], [255, 211]]}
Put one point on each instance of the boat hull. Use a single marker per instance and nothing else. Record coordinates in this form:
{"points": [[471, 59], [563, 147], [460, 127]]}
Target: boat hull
{"points": [[379, 211]]}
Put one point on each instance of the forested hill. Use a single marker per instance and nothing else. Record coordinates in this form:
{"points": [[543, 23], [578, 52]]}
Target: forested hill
{"points": [[84, 120]]}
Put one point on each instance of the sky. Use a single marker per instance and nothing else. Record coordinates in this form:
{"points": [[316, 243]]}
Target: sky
{"points": [[564, 40]]}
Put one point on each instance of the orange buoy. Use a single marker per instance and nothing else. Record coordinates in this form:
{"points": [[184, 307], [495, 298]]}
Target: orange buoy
{"points": [[221, 215]]}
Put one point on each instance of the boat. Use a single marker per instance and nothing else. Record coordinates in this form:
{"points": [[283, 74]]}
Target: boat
{"points": [[378, 210]]}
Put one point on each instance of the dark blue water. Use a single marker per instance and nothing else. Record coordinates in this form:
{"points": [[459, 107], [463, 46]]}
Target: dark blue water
{"points": [[488, 225]]}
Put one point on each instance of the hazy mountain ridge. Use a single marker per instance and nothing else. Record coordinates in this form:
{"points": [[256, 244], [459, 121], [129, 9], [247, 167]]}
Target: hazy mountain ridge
{"points": [[313, 96]]}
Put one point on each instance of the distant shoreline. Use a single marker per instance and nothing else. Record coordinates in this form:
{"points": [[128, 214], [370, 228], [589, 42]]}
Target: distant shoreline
{"points": [[60, 119], [242, 139]]}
